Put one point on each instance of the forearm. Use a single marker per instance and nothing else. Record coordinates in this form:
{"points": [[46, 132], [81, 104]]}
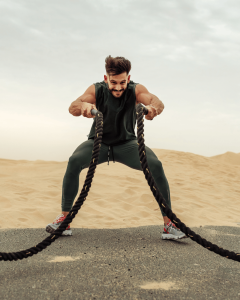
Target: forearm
{"points": [[155, 102], [75, 107]]}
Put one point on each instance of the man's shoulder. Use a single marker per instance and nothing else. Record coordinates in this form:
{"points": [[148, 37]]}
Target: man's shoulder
{"points": [[132, 85], [140, 89], [100, 88], [100, 83]]}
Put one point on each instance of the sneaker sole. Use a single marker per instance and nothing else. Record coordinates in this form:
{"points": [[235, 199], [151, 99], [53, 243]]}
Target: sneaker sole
{"points": [[170, 236], [49, 229]]}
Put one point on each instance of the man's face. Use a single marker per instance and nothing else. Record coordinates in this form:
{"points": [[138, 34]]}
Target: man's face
{"points": [[117, 84]]}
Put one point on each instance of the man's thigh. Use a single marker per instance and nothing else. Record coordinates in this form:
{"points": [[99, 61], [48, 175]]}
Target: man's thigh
{"points": [[128, 155], [82, 155]]}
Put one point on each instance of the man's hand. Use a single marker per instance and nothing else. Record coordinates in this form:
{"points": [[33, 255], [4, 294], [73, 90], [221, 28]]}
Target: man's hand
{"points": [[79, 108], [84, 103], [152, 112], [86, 110]]}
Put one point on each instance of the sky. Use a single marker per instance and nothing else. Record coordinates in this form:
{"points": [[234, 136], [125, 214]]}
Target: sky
{"points": [[185, 52]]}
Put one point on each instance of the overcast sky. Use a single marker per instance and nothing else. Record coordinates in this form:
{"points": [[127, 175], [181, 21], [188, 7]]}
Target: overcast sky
{"points": [[185, 52]]}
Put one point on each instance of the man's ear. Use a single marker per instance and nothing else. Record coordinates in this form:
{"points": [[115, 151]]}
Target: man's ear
{"points": [[105, 78], [129, 78]]}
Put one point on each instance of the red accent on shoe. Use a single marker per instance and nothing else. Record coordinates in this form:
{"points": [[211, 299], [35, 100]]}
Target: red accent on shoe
{"points": [[170, 222], [61, 219]]}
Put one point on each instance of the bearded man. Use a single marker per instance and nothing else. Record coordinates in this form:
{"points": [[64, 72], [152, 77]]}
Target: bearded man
{"points": [[116, 97]]}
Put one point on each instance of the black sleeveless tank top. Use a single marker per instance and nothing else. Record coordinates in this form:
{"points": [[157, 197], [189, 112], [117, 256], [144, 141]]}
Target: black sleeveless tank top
{"points": [[119, 114]]}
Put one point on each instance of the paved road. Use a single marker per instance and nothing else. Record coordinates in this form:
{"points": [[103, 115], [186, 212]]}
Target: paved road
{"points": [[130, 263]]}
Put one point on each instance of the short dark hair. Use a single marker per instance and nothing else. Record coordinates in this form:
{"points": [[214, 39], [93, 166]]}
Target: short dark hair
{"points": [[117, 65]]}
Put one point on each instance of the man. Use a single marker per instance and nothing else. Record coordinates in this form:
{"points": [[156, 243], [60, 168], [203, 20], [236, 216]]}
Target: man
{"points": [[116, 97]]}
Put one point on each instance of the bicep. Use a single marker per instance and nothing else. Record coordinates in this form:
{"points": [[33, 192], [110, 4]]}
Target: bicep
{"points": [[89, 95], [142, 95]]}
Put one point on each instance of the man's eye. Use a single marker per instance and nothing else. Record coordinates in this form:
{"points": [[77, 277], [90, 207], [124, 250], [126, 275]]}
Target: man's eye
{"points": [[116, 83]]}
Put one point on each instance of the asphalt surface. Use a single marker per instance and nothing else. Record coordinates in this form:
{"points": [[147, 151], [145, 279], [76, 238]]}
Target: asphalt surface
{"points": [[130, 263]]}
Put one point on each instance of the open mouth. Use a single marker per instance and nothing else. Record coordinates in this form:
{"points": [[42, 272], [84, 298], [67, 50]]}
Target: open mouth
{"points": [[117, 93]]}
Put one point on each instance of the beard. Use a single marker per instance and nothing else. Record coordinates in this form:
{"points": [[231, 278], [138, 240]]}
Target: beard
{"points": [[116, 91]]}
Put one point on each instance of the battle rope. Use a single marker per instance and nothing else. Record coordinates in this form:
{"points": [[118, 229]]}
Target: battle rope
{"points": [[86, 187], [162, 202]]}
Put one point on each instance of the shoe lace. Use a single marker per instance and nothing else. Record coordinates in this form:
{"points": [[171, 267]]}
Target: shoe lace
{"points": [[59, 218], [171, 224]]}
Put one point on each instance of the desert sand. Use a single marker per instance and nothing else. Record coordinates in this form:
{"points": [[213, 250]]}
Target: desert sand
{"points": [[204, 191]]}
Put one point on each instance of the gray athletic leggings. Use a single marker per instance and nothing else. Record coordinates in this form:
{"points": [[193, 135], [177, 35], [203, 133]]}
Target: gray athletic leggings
{"points": [[126, 154]]}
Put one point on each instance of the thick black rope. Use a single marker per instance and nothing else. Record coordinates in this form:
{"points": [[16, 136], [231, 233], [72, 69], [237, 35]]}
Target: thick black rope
{"points": [[162, 202], [86, 187]]}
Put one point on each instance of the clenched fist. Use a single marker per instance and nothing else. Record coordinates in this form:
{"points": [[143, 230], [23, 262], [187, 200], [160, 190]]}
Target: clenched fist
{"points": [[79, 108], [152, 112], [86, 110]]}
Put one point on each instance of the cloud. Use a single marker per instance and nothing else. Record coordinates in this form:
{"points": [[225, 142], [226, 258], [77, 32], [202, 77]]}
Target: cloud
{"points": [[186, 52], [170, 29]]}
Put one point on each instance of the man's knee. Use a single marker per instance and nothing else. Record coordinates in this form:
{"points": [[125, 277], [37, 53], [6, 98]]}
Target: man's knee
{"points": [[75, 163], [156, 166]]}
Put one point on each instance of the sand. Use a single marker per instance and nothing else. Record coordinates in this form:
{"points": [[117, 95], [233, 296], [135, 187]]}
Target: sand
{"points": [[204, 191]]}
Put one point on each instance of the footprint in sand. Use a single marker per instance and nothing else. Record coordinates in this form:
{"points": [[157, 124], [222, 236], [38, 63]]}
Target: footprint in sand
{"points": [[22, 219], [127, 207], [131, 191], [133, 180]]}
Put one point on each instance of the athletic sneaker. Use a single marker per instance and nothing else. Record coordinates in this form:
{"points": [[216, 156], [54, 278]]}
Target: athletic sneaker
{"points": [[56, 223], [171, 232]]}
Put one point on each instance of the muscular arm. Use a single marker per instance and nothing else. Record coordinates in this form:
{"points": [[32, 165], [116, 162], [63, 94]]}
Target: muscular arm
{"points": [[83, 104], [143, 96]]}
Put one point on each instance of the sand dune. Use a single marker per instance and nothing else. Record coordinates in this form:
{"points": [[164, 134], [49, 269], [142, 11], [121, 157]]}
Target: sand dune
{"points": [[204, 191], [228, 157]]}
